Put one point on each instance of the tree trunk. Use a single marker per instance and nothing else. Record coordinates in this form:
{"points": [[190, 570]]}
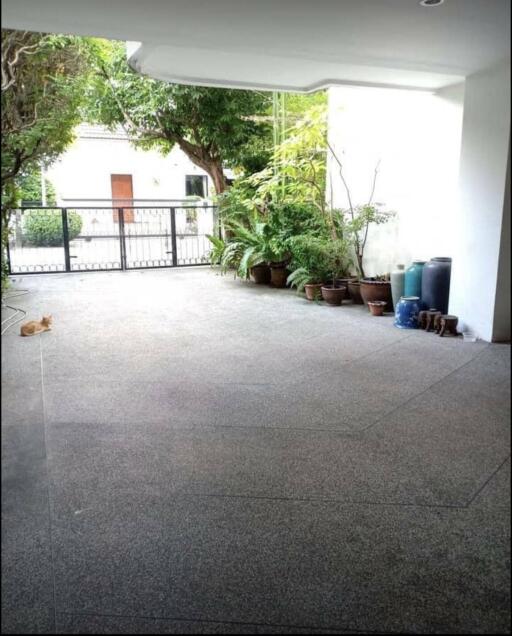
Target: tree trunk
{"points": [[217, 174]]}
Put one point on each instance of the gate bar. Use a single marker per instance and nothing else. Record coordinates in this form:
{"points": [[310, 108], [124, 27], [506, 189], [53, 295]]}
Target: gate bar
{"points": [[65, 236], [173, 238]]}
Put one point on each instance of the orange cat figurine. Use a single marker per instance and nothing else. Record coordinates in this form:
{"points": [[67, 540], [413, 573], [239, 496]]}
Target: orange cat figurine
{"points": [[34, 327]]}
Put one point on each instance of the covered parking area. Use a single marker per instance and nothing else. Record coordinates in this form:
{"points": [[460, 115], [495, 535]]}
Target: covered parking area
{"points": [[188, 453]]}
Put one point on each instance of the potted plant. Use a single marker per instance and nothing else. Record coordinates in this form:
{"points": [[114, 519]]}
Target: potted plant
{"points": [[260, 244], [309, 263], [336, 264], [377, 288]]}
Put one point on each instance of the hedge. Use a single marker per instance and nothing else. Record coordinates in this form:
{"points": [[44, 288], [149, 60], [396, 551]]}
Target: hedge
{"points": [[43, 228]]}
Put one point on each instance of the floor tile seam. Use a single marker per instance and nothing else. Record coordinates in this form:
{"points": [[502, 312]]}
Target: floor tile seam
{"points": [[48, 491], [342, 502], [226, 622], [344, 432], [381, 420], [355, 360], [487, 481]]}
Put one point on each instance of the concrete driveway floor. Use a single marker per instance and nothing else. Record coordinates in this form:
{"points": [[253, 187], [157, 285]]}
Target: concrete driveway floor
{"points": [[189, 453]]}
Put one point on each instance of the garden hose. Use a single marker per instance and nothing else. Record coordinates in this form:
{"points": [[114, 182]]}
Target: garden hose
{"points": [[17, 310]]}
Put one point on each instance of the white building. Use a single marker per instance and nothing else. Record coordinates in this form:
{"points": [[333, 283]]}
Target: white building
{"points": [[87, 174]]}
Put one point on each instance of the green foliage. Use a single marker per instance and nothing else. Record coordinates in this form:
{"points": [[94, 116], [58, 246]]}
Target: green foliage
{"points": [[30, 189], [43, 82], [43, 228], [316, 259], [261, 242], [215, 127], [297, 173], [41, 107]]}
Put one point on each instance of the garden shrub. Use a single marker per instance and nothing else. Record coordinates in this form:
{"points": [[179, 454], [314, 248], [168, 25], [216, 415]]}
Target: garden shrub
{"points": [[43, 228]]}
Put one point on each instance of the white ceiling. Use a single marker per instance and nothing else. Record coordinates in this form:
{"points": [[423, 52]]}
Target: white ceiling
{"points": [[288, 44]]}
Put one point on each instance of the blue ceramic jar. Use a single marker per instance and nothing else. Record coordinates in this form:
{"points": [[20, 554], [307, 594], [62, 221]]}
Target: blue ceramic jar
{"points": [[412, 282], [435, 284], [406, 312]]}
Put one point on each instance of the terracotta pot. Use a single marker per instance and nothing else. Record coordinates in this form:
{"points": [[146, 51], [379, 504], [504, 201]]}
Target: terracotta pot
{"points": [[354, 290], [344, 282], [313, 291], [278, 275], [333, 295], [377, 290], [376, 307], [260, 274]]}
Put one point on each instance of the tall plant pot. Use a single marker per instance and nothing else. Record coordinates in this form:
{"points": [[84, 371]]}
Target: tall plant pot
{"points": [[260, 274], [354, 290], [377, 290], [435, 283], [278, 275], [412, 281], [397, 284]]}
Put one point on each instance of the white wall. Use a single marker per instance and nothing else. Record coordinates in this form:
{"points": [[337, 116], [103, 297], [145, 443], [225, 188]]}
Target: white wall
{"points": [[501, 327], [483, 175], [83, 171], [416, 138]]}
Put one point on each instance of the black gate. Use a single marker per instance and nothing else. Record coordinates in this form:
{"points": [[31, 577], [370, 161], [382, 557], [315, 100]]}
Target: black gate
{"points": [[100, 239]]}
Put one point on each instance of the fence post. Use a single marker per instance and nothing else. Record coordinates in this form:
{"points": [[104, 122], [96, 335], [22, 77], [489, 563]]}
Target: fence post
{"points": [[122, 243], [65, 236], [173, 238], [8, 257]]}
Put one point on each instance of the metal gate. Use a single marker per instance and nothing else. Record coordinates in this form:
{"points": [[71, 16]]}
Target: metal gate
{"points": [[100, 239]]}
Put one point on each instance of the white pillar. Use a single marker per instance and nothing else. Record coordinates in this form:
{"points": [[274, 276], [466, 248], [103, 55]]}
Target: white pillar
{"points": [[481, 238]]}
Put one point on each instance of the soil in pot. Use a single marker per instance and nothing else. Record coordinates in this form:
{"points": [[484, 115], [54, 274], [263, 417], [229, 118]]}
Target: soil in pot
{"points": [[377, 307], [278, 276], [377, 290], [333, 294], [354, 290], [313, 291], [260, 274]]}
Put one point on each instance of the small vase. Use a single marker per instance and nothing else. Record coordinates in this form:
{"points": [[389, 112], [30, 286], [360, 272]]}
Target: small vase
{"points": [[406, 312], [397, 284], [412, 282], [377, 307]]}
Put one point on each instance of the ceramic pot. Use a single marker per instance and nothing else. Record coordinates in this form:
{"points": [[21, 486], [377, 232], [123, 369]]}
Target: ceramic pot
{"points": [[376, 307], [333, 295], [406, 312], [412, 280], [260, 274], [435, 283], [397, 284], [354, 290], [313, 291], [278, 275], [344, 282], [377, 290]]}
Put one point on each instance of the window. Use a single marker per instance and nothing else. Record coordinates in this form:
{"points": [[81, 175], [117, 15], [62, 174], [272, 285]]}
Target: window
{"points": [[196, 185]]}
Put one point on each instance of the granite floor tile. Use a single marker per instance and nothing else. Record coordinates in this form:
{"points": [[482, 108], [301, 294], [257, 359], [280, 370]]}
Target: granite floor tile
{"points": [[287, 563]]}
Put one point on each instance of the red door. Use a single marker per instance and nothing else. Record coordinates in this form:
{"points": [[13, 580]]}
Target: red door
{"points": [[122, 195]]}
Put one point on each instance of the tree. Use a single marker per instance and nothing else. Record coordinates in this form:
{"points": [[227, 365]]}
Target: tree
{"points": [[43, 80], [214, 127], [30, 191]]}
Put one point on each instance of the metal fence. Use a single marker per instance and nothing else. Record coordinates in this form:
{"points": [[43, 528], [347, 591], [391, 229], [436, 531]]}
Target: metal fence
{"points": [[108, 238]]}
